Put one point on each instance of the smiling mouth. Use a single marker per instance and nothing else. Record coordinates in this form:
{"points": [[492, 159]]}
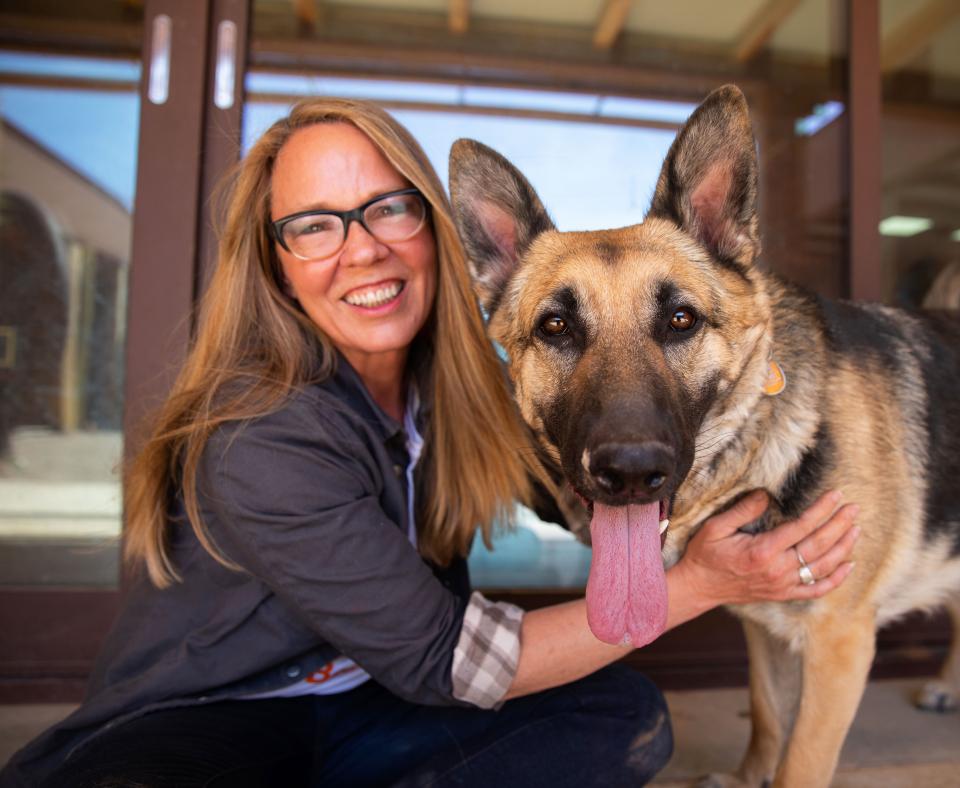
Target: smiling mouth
{"points": [[374, 296]]}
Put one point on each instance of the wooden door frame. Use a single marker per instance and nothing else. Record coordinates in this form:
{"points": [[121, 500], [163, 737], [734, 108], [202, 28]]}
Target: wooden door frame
{"points": [[53, 634]]}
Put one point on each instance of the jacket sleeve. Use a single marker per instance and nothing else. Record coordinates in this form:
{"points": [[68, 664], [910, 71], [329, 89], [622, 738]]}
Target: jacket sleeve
{"points": [[294, 498]]}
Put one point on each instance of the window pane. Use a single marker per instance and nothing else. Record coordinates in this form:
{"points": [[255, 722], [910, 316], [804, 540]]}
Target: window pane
{"points": [[920, 228], [66, 190]]}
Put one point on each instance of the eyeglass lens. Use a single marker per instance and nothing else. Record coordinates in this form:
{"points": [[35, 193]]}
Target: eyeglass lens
{"points": [[390, 219]]}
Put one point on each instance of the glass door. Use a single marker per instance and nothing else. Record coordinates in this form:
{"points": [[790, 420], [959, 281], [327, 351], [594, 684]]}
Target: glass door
{"points": [[67, 180], [68, 131], [107, 158]]}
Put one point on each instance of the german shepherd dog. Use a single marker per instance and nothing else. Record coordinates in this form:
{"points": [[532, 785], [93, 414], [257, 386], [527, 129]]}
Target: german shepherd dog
{"points": [[665, 374]]}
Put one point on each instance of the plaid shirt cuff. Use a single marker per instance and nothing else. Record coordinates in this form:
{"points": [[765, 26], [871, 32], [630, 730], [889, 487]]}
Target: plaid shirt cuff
{"points": [[485, 659]]}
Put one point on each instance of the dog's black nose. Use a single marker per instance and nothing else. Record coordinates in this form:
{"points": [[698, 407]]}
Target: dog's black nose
{"points": [[631, 471]]}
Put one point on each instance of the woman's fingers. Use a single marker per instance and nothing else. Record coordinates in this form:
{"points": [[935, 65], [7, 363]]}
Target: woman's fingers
{"points": [[742, 513], [831, 544], [826, 553], [823, 585], [738, 568], [791, 533]]}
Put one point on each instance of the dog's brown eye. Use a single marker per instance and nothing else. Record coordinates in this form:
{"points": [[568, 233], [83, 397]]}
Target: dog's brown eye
{"points": [[554, 326], [682, 320]]}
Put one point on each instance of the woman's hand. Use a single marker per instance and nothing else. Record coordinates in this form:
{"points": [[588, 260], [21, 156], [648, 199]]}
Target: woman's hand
{"points": [[722, 566]]}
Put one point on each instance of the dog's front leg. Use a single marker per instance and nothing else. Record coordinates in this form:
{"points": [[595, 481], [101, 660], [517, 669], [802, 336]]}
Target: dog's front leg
{"points": [[838, 650], [774, 695]]}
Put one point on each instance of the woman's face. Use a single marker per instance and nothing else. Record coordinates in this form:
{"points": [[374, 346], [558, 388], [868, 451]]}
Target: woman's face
{"points": [[370, 298]]}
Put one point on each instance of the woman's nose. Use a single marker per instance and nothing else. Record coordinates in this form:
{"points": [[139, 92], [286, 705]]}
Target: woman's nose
{"points": [[361, 248]]}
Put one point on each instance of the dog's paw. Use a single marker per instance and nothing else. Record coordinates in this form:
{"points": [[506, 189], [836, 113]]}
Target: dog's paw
{"points": [[935, 696]]}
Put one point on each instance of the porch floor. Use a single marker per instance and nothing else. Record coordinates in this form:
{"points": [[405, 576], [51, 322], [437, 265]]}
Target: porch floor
{"points": [[891, 744]]}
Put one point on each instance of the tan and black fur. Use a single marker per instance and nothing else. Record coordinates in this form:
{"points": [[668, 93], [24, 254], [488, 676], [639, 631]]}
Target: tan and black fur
{"points": [[639, 357]]}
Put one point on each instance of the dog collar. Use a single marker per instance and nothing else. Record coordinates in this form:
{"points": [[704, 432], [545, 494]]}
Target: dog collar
{"points": [[776, 380]]}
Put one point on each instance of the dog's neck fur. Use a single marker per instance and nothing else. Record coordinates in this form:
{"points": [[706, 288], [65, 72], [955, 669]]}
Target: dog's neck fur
{"points": [[762, 444]]}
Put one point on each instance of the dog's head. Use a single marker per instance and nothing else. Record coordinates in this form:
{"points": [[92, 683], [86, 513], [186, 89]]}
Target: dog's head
{"points": [[620, 341]]}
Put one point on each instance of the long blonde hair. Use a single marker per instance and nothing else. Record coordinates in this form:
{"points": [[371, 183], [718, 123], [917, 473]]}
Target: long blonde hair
{"points": [[254, 346]]}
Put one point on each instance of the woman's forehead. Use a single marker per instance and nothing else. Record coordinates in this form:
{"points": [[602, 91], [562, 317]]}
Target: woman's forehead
{"points": [[330, 165]]}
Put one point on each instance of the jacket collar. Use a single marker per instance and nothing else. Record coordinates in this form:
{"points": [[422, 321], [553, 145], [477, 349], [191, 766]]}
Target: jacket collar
{"points": [[348, 387]]}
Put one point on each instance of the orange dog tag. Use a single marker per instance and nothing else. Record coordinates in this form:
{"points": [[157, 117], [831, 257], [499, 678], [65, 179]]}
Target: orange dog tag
{"points": [[776, 380]]}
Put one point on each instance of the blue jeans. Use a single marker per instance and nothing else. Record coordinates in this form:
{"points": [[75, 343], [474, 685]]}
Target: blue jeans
{"points": [[609, 729]]}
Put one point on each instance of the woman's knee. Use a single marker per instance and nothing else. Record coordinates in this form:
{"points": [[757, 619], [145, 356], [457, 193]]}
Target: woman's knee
{"points": [[618, 687], [637, 704]]}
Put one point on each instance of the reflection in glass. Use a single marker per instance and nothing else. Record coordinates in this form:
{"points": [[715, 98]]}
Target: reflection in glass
{"points": [[920, 228], [66, 194]]}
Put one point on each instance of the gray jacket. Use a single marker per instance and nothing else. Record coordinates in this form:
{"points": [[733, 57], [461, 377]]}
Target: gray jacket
{"points": [[311, 502]]}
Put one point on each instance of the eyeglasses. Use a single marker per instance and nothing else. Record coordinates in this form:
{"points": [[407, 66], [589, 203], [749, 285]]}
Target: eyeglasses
{"points": [[391, 217]]}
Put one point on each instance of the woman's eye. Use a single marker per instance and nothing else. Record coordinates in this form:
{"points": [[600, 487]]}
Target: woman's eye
{"points": [[554, 326], [683, 319], [314, 226]]}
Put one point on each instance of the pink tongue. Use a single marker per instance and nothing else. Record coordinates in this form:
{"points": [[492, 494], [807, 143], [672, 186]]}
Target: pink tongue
{"points": [[627, 588]]}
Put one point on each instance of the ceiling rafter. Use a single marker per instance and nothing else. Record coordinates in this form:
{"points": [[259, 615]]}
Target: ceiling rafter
{"points": [[610, 23], [913, 36], [458, 16], [761, 27]]}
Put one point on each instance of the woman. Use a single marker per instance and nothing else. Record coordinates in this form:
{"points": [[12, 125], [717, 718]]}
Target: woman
{"points": [[306, 501]]}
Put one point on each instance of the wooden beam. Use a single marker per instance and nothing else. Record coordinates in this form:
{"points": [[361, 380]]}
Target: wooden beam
{"points": [[496, 112], [458, 16], [612, 19], [761, 27], [912, 37], [70, 83], [110, 38], [432, 63]]}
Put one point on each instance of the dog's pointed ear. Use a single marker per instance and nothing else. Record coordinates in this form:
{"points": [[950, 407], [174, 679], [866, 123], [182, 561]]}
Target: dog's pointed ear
{"points": [[708, 184], [497, 212]]}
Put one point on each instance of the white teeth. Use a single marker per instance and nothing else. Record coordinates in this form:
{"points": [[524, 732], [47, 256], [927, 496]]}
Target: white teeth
{"points": [[377, 297], [664, 525]]}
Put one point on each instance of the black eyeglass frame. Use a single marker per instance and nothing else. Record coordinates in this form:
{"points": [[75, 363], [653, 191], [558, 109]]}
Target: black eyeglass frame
{"points": [[347, 218]]}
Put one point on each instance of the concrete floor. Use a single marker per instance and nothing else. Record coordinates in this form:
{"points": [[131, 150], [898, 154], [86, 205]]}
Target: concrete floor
{"points": [[891, 744]]}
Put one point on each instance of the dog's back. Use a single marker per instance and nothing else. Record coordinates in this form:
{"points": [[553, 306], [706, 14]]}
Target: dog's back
{"points": [[893, 397], [916, 357]]}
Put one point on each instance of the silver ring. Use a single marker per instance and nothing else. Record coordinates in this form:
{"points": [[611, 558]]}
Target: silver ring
{"points": [[806, 576]]}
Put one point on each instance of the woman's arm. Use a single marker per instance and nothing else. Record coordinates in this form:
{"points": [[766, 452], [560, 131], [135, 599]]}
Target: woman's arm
{"points": [[720, 566]]}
